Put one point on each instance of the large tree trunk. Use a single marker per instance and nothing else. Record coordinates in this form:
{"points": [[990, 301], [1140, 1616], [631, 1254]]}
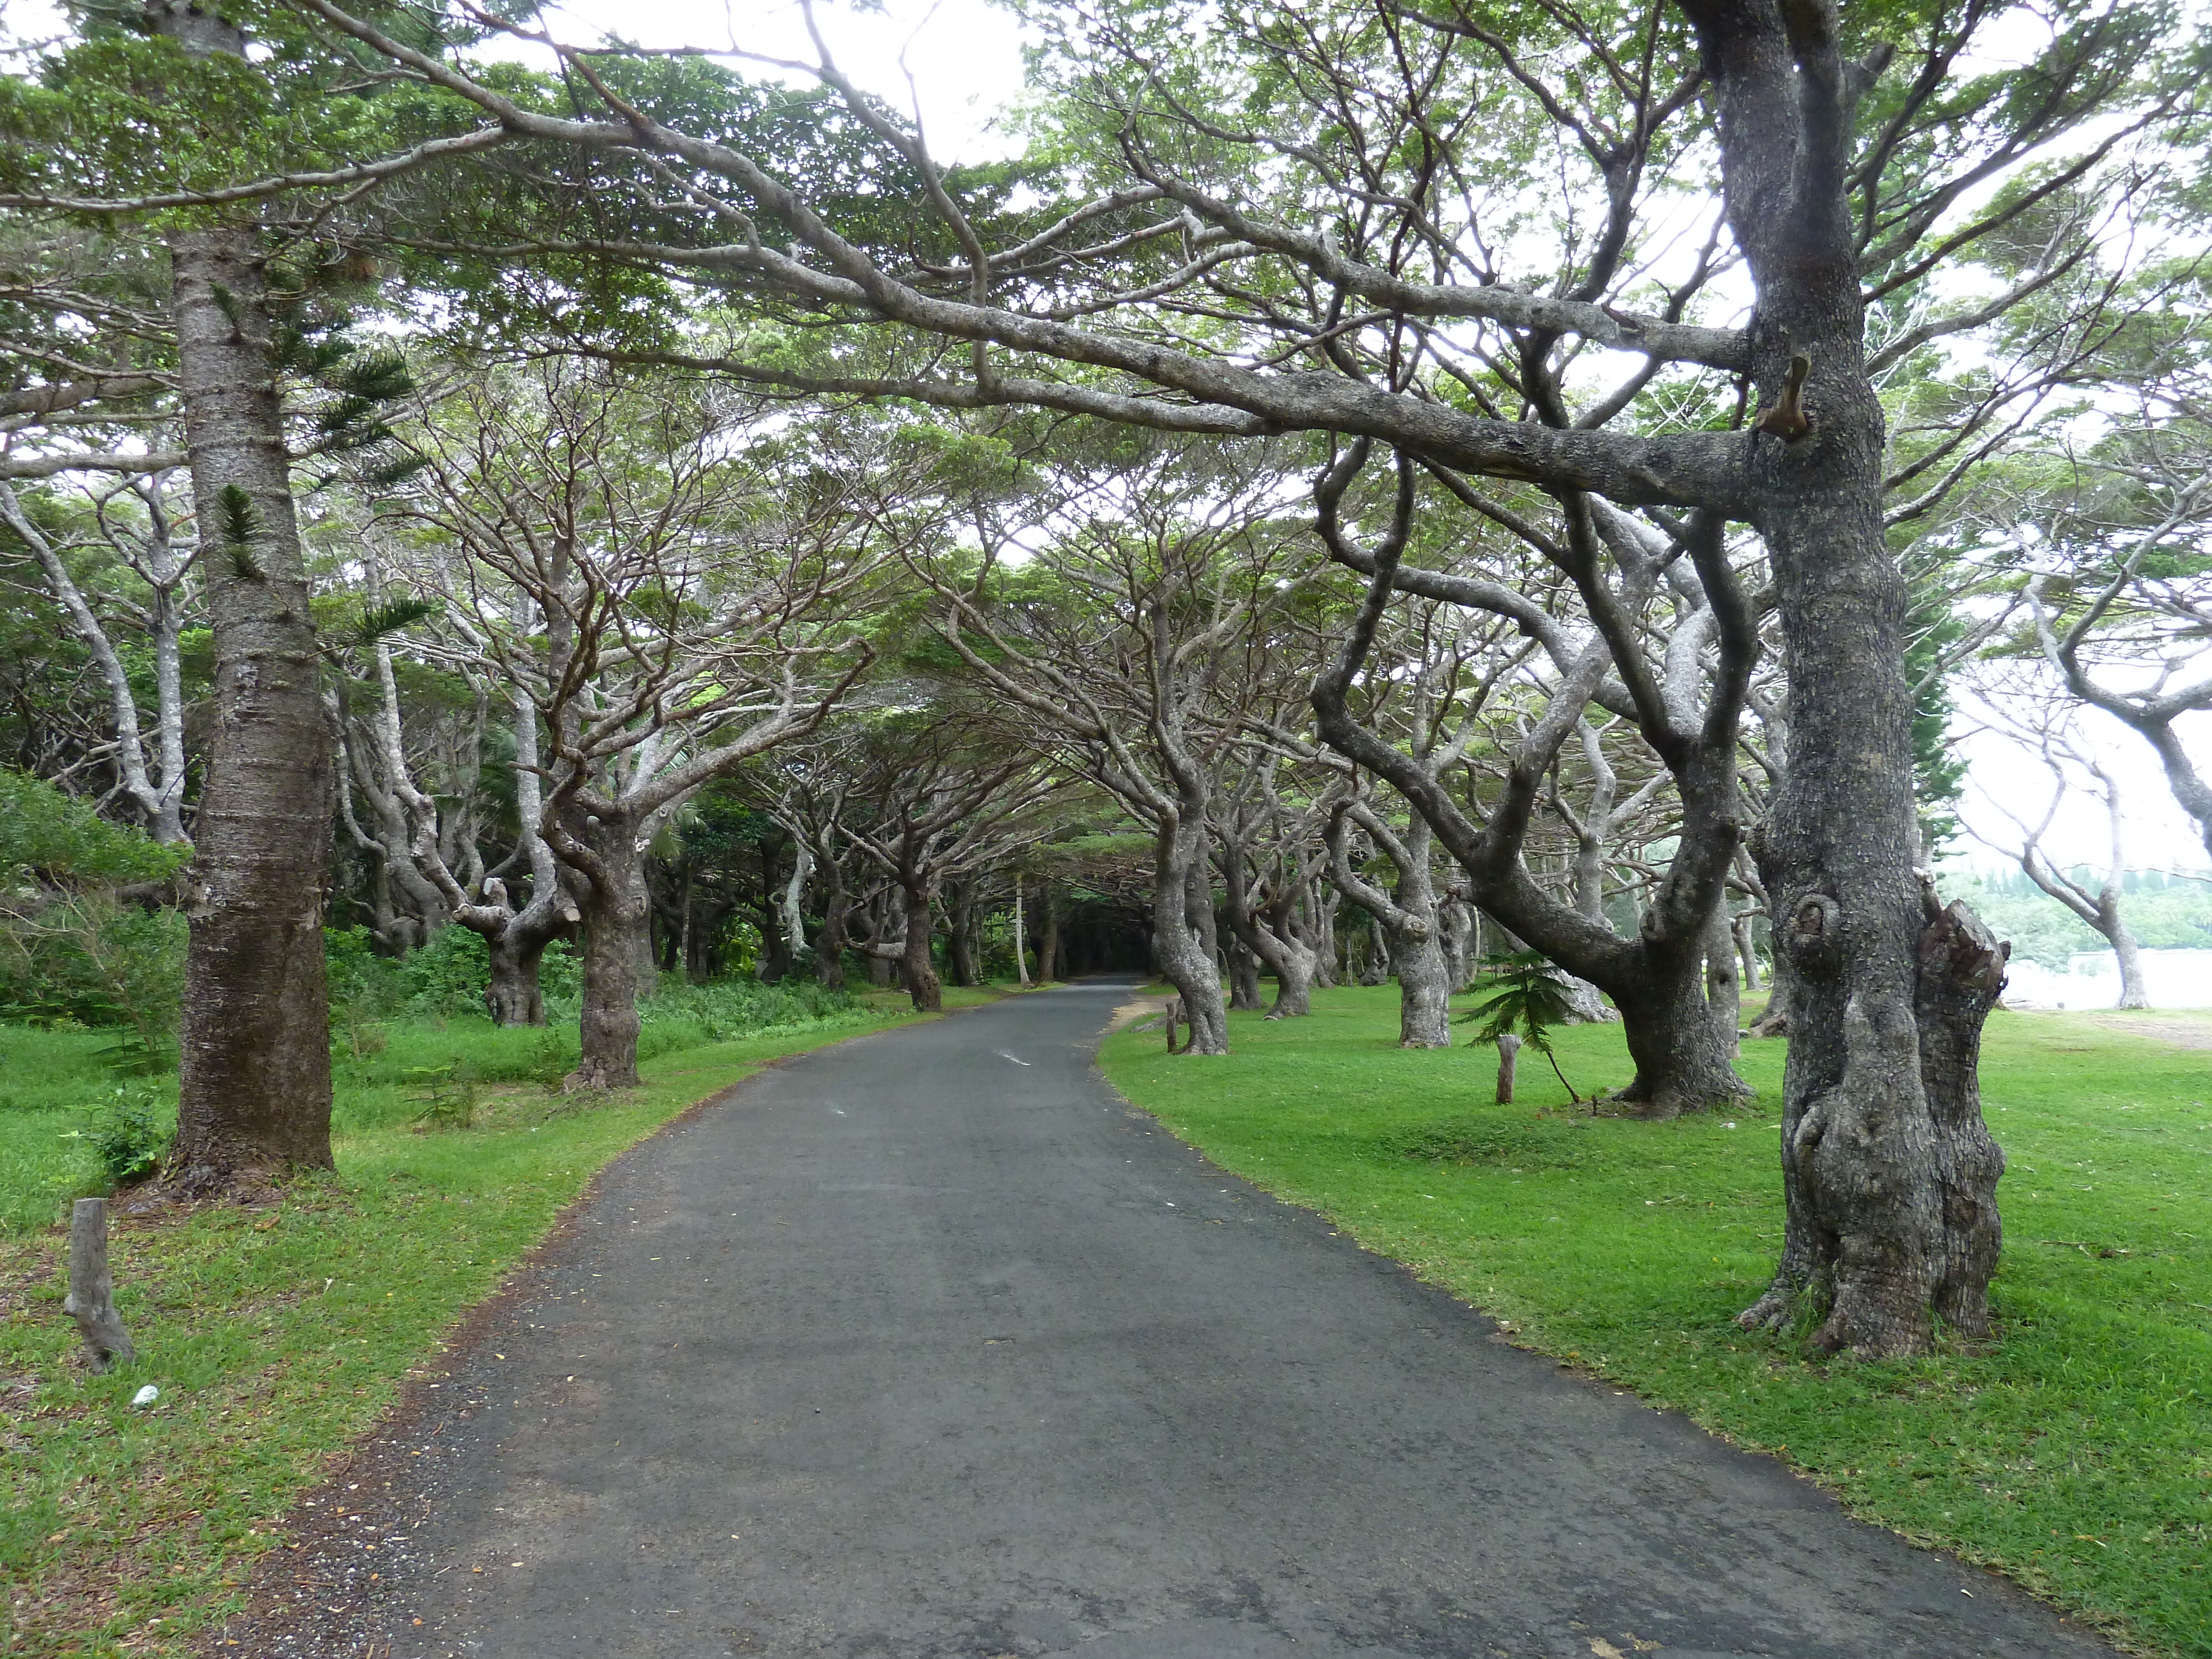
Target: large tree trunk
{"points": [[1424, 985], [1243, 978], [1723, 990], [1377, 967], [922, 985], [1323, 902], [618, 939], [255, 1066], [512, 996], [1048, 943], [960, 939], [1889, 1172], [1179, 852], [1683, 1057], [1424, 994], [829, 939], [1774, 1021]]}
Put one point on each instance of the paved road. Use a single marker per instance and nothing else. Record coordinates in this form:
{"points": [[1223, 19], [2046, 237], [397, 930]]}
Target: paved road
{"points": [[929, 1347]]}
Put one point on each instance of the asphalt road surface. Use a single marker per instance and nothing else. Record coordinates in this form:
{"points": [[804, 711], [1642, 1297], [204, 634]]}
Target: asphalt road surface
{"points": [[927, 1345]]}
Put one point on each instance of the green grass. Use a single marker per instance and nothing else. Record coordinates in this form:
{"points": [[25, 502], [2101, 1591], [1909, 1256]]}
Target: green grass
{"points": [[277, 1334], [2074, 1453]]}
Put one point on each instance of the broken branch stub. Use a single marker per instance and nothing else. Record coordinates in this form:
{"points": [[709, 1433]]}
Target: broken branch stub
{"points": [[91, 1300]]}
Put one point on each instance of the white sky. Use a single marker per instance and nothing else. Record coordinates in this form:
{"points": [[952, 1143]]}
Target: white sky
{"points": [[959, 63]]}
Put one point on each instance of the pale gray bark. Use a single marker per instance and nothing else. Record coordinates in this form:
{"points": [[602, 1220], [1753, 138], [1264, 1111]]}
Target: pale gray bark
{"points": [[154, 780], [1407, 917], [91, 1298]]}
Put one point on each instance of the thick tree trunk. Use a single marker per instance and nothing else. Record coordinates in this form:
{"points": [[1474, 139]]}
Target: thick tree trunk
{"points": [[1424, 994], [1243, 978], [1049, 942], [1179, 852], [1774, 1020], [1889, 1174], [618, 935], [1723, 991], [1021, 935], [960, 942], [922, 985], [1455, 931], [1683, 1057], [1294, 962], [1377, 967], [829, 939], [1321, 904], [1746, 955], [255, 1083], [512, 996]]}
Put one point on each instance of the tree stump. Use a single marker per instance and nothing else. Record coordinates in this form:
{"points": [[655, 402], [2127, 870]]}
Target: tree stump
{"points": [[91, 1300]]}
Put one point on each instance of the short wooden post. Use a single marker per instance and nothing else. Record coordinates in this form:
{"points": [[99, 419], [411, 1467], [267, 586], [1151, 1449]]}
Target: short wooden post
{"points": [[1509, 1055], [91, 1300]]}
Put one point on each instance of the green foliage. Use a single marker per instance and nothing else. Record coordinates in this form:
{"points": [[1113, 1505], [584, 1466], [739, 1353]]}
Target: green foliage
{"points": [[1526, 997], [446, 1095], [83, 959], [130, 1136], [382, 620], [239, 528], [60, 840]]}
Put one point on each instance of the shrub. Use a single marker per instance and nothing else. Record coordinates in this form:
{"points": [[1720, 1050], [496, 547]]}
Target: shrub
{"points": [[128, 1137], [83, 958]]}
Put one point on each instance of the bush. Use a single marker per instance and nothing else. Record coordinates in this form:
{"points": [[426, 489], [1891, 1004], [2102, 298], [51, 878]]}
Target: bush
{"points": [[83, 958], [128, 1137], [681, 1014]]}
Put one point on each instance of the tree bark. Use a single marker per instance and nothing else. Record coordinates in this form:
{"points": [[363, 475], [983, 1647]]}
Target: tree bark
{"points": [[1723, 990], [1179, 850], [255, 1056], [1048, 944], [959, 938], [1409, 916], [512, 996], [1509, 1058], [1323, 902], [1021, 936], [91, 1298], [1774, 1020], [1243, 978], [922, 984], [617, 912]]}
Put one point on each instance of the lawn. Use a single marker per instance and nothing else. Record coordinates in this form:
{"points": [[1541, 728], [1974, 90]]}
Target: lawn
{"points": [[2074, 1453], [275, 1334]]}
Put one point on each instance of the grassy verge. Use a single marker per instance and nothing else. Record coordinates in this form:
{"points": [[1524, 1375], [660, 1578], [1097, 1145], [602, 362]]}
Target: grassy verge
{"points": [[2074, 1453], [275, 1334]]}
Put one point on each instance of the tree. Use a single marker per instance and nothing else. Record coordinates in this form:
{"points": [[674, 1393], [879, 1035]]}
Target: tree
{"points": [[2046, 728], [1835, 183], [150, 773], [671, 591], [1156, 562]]}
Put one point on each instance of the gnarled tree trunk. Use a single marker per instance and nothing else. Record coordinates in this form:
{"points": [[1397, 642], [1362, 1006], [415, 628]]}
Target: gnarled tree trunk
{"points": [[1179, 852], [1889, 1173], [617, 912], [922, 984]]}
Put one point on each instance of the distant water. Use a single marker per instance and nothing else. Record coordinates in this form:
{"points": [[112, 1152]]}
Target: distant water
{"points": [[2175, 979]]}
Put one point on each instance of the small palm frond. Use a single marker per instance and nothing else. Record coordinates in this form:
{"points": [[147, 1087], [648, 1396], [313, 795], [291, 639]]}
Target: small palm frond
{"points": [[380, 621]]}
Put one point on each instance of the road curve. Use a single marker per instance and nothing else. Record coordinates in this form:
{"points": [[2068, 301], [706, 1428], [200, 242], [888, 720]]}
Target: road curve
{"points": [[927, 1346]]}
